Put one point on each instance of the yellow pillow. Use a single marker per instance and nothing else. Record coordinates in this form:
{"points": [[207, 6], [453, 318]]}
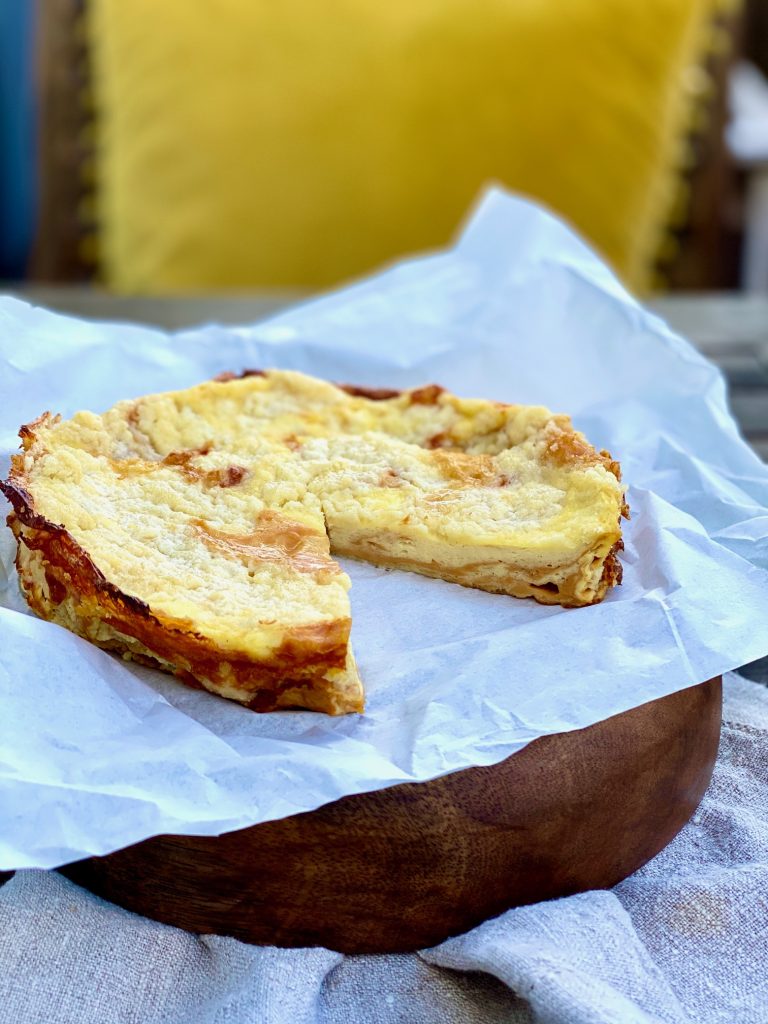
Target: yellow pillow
{"points": [[262, 143]]}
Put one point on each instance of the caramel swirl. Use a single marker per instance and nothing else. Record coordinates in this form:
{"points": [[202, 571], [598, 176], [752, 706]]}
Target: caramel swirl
{"points": [[275, 539]]}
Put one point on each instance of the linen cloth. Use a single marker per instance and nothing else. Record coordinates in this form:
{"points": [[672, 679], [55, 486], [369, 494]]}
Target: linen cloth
{"points": [[682, 941]]}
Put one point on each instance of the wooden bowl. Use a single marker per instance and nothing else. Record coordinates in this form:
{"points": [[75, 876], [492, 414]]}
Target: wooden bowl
{"points": [[406, 867]]}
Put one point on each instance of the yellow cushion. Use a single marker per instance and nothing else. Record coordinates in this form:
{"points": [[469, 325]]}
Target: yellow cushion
{"points": [[262, 143]]}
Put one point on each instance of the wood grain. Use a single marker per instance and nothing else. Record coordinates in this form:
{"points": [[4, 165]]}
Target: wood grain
{"points": [[408, 866]]}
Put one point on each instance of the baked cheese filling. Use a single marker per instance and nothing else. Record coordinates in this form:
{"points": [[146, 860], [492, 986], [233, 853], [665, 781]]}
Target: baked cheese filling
{"points": [[195, 530]]}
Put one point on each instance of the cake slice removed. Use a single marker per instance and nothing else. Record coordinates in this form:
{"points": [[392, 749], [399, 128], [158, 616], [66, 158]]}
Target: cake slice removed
{"points": [[193, 530]]}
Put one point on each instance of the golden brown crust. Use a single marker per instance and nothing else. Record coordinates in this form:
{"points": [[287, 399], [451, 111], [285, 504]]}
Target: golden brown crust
{"points": [[304, 658], [275, 538], [295, 673], [227, 476], [374, 394], [428, 394], [228, 375], [305, 665], [440, 440], [469, 470], [613, 570], [567, 446], [492, 575], [28, 431]]}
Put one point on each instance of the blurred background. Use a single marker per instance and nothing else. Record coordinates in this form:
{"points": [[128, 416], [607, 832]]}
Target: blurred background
{"points": [[169, 161]]}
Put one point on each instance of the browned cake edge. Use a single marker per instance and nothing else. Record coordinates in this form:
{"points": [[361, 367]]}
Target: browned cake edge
{"points": [[573, 590], [565, 446], [312, 667]]}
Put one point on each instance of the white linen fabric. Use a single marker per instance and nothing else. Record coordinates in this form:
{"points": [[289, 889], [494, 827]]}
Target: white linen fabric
{"points": [[685, 939]]}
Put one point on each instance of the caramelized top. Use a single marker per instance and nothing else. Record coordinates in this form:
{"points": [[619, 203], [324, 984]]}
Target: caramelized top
{"points": [[274, 538]]}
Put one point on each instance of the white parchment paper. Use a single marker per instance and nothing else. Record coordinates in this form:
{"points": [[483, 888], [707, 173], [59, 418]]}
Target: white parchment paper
{"points": [[95, 754]]}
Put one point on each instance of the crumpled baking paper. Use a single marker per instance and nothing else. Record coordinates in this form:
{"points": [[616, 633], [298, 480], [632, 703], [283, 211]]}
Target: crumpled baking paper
{"points": [[96, 754]]}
